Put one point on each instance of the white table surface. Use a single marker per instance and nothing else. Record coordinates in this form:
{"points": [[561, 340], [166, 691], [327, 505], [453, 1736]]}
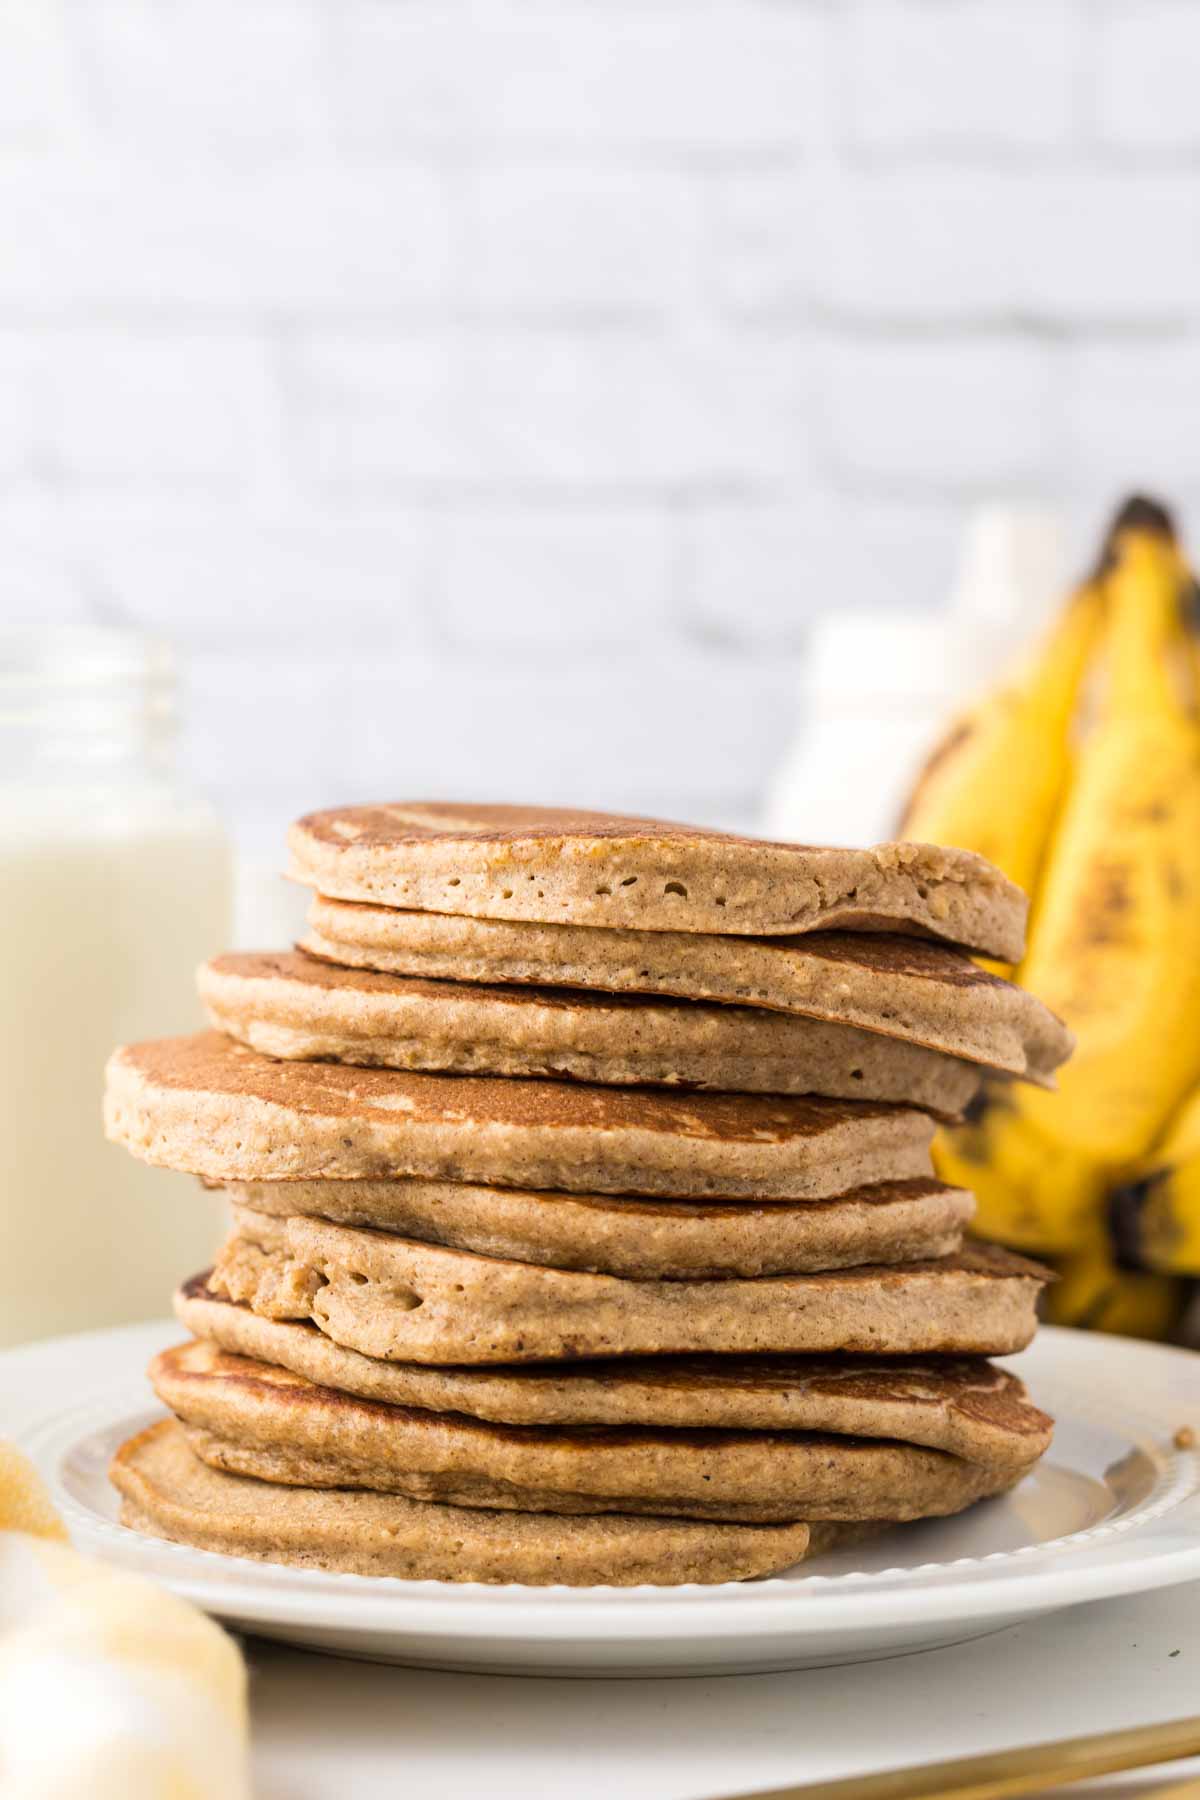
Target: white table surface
{"points": [[326, 1728]]}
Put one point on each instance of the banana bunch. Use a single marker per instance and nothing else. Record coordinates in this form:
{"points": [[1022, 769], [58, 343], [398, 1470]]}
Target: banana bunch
{"points": [[996, 781], [1080, 778]]}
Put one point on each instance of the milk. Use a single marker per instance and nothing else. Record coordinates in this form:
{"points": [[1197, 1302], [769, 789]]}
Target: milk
{"points": [[113, 886]]}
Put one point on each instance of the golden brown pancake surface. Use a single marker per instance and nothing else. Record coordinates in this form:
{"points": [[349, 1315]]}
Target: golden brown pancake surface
{"points": [[588, 868]]}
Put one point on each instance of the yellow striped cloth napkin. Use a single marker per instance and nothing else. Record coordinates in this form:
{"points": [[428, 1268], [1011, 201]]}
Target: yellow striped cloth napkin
{"points": [[110, 1688]]}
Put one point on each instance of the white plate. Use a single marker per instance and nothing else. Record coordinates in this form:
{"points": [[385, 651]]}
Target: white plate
{"points": [[1113, 1509]]}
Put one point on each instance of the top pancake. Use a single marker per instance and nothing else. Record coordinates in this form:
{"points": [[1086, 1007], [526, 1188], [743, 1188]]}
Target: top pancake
{"points": [[584, 868], [900, 987], [208, 1106]]}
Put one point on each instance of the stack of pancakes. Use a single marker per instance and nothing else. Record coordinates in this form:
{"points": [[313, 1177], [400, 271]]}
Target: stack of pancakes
{"points": [[584, 1223]]}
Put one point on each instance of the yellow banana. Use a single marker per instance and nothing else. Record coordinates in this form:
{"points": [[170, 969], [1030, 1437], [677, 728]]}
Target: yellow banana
{"points": [[1115, 937], [1094, 1293], [1115, 934], [1030, 1193], [1156, 1212], [995, 782]]}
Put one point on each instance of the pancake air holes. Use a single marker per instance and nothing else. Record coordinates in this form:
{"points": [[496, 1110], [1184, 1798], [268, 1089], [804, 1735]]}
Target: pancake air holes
{"points": [[409, 1299], [629, 880], [454, 881], [506, 894], [357, 1277], [856, 1074], [676, 887], [720, 899], [606, 891], [541, 894], [922, 891]]}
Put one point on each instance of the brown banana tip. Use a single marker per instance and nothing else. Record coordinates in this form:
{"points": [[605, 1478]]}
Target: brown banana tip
{"points": [[1138, 513], [1141, 513]]}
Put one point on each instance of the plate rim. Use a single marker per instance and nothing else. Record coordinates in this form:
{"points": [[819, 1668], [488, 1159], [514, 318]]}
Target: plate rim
{"points": [[1110, 1558]]}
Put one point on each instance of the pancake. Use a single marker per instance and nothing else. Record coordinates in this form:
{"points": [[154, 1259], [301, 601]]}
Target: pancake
{"points": [[169, 1493], [587, 868], [211, 1107], [891, 1222], [963, 1405], [407, 1302], [253, 1418], [922, 993], [289, 1005]]}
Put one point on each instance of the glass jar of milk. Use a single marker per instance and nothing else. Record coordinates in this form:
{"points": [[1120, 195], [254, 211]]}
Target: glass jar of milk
{"points": [[114, 884]]}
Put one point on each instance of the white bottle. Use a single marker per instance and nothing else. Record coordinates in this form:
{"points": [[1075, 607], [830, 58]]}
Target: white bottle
{"points": [[114, 884], [879, 685], [873, 688], [1013, 574]]}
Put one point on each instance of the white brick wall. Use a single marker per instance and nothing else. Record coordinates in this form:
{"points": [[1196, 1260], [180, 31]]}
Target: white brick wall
{"points": [[969, 415], [713, 77], [979, 76], [486, 394], [1145, 76], [958, 246]]}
